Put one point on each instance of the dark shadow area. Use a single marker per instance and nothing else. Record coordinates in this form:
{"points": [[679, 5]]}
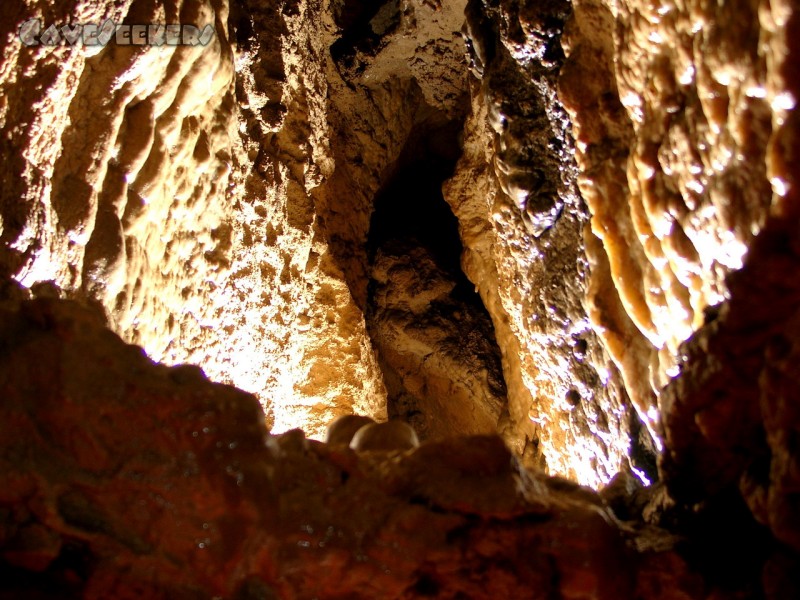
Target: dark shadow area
{"points": [[643, 452], [411, 207], [364, 26], [435, 339]]}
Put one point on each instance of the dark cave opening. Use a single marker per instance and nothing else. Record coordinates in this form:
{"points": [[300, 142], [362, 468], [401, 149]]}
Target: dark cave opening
{"points": [[434, 337], [410, 207]]}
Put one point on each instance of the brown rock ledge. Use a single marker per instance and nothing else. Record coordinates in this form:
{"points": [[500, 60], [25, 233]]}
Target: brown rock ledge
{"points": [[122, 478]]}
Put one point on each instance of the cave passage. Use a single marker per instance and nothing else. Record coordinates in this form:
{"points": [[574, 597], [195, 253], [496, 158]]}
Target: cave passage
{"points": [[411, 210], [435, 339]]}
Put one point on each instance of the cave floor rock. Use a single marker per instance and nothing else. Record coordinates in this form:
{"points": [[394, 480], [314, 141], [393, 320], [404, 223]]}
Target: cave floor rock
{"points": [[123, 478]]}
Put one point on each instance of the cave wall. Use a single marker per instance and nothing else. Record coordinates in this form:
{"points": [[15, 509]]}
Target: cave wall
{"points": [[440, 359], [676, 111], [214, 203], [119, 165], [522, 222], [146, 182], [224, 222], [627, 207], [229, 230]]}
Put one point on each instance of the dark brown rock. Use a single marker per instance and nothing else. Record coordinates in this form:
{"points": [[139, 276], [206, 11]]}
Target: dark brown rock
{"points": [[124, 478]]}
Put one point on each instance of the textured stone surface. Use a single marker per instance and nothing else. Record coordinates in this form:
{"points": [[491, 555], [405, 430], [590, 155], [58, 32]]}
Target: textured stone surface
{"points": [[214, 202], [225, 225], [124, 478], [676, 108], [521, 222], [292, 313], [437, 351], [119, 162], [621, 162]]}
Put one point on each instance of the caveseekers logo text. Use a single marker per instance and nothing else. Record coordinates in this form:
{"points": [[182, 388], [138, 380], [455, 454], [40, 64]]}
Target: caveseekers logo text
{"points": [[34, 33]]}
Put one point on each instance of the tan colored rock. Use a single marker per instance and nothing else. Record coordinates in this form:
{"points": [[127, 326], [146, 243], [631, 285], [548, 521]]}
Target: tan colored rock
{"points": [[392, 435], [225, 224], [521, 223], [342, 430], [214, 202], [138, 180], [437, 351], [673, 109], [731, 416]]}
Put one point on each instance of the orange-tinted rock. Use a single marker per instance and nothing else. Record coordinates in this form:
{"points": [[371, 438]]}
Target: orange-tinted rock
{"points": [[123, 478]]}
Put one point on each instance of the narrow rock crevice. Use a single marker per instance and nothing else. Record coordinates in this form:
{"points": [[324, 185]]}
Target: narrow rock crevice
{"points": [[434, 338]]}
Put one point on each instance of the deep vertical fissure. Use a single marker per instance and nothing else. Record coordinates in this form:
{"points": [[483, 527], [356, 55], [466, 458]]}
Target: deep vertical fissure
{"points": [[434, 338]]}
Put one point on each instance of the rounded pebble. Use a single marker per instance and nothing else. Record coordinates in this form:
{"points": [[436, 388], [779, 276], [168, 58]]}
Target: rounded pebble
{"points": [[392, 435], [342, 429]]}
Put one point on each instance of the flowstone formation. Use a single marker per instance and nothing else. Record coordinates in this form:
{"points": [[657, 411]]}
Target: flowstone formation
{"points": [[553, 243], [680, 115]]}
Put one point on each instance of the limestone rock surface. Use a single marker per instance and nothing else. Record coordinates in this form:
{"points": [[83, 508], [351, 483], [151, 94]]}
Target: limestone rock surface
{"points": [[677, 110], [437, 351], [521, 222], [625, 182]]}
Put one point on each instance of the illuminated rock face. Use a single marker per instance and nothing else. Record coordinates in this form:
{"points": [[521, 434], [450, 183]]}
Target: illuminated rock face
{"points": [[522, 222], [677, 113], [178, 196], [118, 170], [612, 167], [215, 201], [731, 418]]}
